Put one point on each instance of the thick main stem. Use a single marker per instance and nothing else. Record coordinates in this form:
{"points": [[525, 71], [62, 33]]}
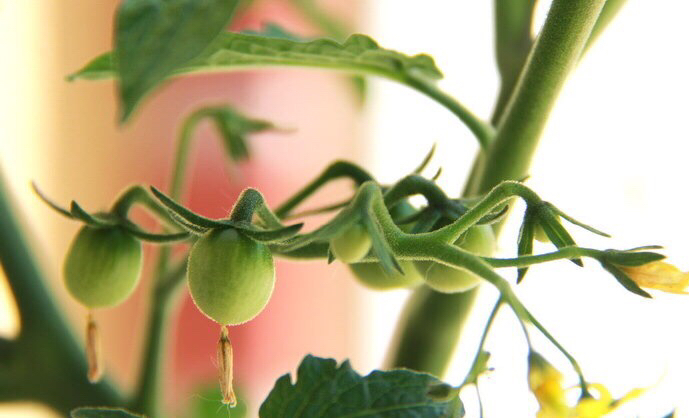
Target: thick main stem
{"points": [[557, 50]]}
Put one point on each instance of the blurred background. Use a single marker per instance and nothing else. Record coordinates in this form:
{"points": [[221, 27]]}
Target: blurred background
{"points": [[612, 155]]}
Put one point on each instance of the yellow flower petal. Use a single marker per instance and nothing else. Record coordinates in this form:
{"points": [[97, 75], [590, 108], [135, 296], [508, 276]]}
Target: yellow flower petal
{"points": [[659, 275], [604, 404], [545, 382]]}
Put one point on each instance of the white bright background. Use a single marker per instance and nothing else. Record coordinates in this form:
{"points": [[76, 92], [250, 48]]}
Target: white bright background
{"points": [[613, 155]]}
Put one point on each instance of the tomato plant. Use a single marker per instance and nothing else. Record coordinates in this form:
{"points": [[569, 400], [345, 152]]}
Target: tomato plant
{"points": [[408, 233]]}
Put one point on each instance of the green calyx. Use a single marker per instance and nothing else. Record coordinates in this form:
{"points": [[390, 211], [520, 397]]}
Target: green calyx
{"points": [[103, 266], [231, 277]]}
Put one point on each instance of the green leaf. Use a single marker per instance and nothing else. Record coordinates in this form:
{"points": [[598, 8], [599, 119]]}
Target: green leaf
{"points": [[324, 389], [359, 54], [102, 412], [207, 403], [240, 51], [154, 38], [99, 68]]}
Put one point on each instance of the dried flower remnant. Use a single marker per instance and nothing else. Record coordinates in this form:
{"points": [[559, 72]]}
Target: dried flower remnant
{"points": [[93, 352], [225, 368]]}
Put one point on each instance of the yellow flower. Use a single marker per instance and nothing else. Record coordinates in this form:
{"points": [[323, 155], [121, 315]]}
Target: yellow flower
{"points": [[545, 381], [604, 404], [659, 275], [546, 384]]}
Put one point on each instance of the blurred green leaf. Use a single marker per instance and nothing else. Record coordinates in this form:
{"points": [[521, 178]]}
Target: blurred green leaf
{"points": [[235, 51], [273, 30], [102, 412], [234, 128], [324, 389], [154, 38]]}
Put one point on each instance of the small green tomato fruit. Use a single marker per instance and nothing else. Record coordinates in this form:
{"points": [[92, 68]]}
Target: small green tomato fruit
{"points": [[480, 240], [374, 277], [103, 266], [231, 277], [352, 244]]}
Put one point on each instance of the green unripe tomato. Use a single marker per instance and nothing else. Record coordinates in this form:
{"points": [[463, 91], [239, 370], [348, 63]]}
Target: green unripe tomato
{"points": [[373, 276], [103, 266], [231, 277], [480, 240], [352, 244]]}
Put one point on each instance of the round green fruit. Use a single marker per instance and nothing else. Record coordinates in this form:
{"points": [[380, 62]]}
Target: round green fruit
{"points": [[480, 240], [373, 276], [352, 244], [103, 266], [231, 277]]}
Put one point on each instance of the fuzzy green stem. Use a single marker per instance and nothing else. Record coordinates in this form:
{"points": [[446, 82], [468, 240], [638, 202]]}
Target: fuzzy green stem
{"points": [[569, 253], [147, 396], [184, 139], [556, 52], [473, 372], [453, 256]]}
